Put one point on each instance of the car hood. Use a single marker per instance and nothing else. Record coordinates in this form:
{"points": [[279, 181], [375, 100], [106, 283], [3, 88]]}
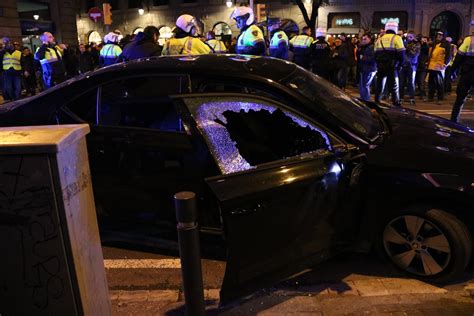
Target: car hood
{"points": [[427, 143]]}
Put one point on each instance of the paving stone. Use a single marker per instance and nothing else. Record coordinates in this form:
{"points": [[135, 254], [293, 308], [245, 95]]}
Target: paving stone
{"points": [[134, 296], [114, 295], [370, 287], [403, 286], [163, 296]]}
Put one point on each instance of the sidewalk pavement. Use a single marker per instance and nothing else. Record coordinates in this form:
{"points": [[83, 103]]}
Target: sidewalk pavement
{"points": [[373, 296]]}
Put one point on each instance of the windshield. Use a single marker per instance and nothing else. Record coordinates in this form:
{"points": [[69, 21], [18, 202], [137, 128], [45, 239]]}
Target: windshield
{"points": [[353, 113]]}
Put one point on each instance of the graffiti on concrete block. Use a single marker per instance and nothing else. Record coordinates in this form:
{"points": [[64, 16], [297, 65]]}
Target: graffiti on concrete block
{"points": [[27, 208]]}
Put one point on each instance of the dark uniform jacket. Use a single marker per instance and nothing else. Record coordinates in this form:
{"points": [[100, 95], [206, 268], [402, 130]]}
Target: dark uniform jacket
{"points": [[141, 47]]}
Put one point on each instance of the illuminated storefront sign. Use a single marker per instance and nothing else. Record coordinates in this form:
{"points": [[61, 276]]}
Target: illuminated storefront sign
{"points": [[345, 22], [341, 20], [380, 18]]}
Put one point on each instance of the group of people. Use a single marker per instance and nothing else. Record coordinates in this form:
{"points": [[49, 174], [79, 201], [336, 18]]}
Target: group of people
{"points": [[393, 64]]}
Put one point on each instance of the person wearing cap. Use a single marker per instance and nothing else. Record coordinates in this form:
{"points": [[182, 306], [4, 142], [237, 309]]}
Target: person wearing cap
{"points": [[144, 45], [408, 71], [110, 52], [321, 54], [301, 46], [367, 65], [439, 58], [465, 62], [10, 58], [50, 56], [278, 39], [250, 40], [186, 38], [389, 55], [217, 46]]}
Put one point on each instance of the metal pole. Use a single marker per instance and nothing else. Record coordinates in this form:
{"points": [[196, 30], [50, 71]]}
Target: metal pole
{"points": [[190, 252]]}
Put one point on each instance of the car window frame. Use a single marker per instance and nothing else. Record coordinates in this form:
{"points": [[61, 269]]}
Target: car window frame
{"points": [[66, 109], [335, 141]]}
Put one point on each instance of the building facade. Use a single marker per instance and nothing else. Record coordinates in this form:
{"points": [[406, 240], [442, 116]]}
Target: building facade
{"points": [[70, 22], [24, 20]]}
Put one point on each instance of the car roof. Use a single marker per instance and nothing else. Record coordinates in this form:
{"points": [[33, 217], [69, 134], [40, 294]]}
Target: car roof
{"points": [[267, 67]]}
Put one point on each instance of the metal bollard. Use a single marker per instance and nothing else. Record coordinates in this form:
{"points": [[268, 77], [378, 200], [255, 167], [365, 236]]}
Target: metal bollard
{"points": [[190, 252]]}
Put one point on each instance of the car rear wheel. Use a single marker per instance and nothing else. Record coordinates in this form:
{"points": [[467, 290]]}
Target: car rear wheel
{"points": [[431, 244]]}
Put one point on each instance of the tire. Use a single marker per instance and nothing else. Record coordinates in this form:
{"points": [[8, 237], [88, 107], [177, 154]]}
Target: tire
{"points": [[427, 243]]}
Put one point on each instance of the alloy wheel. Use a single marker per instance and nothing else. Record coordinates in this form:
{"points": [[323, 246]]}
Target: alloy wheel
{"points": [[416, 245]]}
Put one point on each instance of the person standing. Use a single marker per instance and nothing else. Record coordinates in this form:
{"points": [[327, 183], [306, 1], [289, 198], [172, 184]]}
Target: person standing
{"points": [[351, 59], [251, 40], [339, 56], [50, 55], [367, 66], [86, 61], [279, 45], [440, 56], [11, 67], [144, 45], [422, 66], [389, 55], [447, 75], [301, 46], [216, 45], [186, 38], [321, 54], [465, 62], [29, 73], [408, 71], [110, 52]]}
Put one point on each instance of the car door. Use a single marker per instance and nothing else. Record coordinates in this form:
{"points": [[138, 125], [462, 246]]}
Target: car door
{"points": [[281, 191]]}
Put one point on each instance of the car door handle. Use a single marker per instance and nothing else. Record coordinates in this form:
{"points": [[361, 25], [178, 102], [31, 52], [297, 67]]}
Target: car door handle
{"points": [[247, 211]]}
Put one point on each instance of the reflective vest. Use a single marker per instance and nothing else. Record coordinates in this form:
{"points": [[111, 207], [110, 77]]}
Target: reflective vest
{"points": [[467, 47], [110, 51], [12, 60], [51, 55], [437, 58], [218, 46], [389, 42], [301, 41], [278, 38], [185, 46], [248, 39]]}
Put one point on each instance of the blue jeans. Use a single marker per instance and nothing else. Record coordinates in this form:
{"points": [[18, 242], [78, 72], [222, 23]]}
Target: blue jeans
{"points": [[11, 86], [366, 79]]}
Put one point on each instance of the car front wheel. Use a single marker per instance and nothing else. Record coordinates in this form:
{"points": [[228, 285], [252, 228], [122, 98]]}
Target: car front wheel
{"points": [[430, 244]]}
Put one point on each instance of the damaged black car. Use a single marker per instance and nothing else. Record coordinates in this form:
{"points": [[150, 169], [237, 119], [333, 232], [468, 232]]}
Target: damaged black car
{"points": [[286, 167]]}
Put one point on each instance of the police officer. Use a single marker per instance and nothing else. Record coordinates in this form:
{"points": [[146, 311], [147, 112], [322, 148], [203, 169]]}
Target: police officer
{"points": [[321, 54], [250, 41], [11, 62], [278, 39], [217, 46], [464, 60], [301, 45], [110, 51], [389, 55], [185, 40], [50, 56]]}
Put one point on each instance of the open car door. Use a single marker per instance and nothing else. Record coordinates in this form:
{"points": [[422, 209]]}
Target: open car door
{"points": [[280, 191]]}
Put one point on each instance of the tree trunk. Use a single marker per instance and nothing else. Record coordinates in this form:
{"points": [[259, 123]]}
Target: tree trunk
{"points": [[310, 20]]}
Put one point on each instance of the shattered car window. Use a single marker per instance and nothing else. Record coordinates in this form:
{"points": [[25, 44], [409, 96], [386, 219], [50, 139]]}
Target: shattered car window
{"points": [[243, 134]]}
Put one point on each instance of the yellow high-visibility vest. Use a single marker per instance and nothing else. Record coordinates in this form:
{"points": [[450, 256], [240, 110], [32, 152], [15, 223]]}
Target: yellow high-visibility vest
{"points": [[301, 41], [185, 46], [12, 60], [218, 46], [389, 42], [467, 46]]}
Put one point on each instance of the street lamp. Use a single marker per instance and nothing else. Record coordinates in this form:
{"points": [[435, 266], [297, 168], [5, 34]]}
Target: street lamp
{"points": [[141, 11], [36, 17], [228, 3]]}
